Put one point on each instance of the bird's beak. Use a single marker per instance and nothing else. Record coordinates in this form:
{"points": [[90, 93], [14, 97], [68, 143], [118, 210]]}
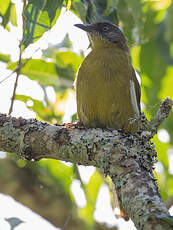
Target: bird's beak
{"points": [[84, 27]]}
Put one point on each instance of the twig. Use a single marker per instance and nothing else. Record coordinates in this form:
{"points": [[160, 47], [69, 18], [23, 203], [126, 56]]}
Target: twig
{"points": [[19, 67], [161, 115], [66, 222], [19, 62]]}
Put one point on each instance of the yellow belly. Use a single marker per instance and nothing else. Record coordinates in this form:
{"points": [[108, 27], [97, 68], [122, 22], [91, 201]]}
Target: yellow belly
{"points": [[103, 91]]}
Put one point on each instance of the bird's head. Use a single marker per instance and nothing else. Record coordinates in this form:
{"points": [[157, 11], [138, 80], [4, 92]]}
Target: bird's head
{"points": [[105, 34]]}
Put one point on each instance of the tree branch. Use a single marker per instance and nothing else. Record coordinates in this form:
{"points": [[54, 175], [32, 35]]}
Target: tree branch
{"points": [[127, 159]]}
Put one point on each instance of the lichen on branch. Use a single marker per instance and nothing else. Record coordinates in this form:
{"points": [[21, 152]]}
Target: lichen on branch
{"points": [[128, 159]]}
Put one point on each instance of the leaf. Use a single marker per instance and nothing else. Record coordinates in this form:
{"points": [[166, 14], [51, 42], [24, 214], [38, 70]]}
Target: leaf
{"points": [[169, 24], [6, 16], [163, 45], [39, 70], [161, 149], [80, 9], [4, 57], [127, 19], [4, 5], [51, 51], [8, 13], [37, 106], [68, 58], [135, 8], [66, 43], [92, 189], [13, 16], [59, 171], [167, 83], [68, 63], [165, 91], [40, 15], [153, 68], [95, 10], [111, 6]]}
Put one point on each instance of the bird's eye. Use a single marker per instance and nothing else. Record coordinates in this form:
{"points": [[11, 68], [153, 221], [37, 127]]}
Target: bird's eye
{"points": [[105, 28]]}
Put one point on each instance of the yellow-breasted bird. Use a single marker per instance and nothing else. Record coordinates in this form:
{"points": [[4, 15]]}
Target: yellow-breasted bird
{"points": [[107, 90]]}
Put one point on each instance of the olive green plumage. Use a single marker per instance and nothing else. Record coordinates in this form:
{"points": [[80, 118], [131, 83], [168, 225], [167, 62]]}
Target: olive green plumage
{"points": [[104, 97]]}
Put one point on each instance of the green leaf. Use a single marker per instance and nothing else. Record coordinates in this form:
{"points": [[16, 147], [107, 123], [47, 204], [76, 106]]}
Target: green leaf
{"points": [[37, 106], [167, 83], [40, 15], [80, 9], [68, 58], [111, 6], [60, 172], [153, 68], [161, 149], [4, 57], [51, 51], [66, 43], [68, 63], [95, 10], [13, 16], [4, 5], [39, 70], [6, 16], [169, 24], [127, 19], [92, 189], [135, 8]]}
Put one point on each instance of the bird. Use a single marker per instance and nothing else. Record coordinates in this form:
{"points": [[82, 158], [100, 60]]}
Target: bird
{"points": [[107, 90]]}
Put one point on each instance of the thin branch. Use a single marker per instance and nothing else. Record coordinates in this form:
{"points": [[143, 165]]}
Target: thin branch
{"points": [[19, 62], [66, 222], [162, 114], [148, 129], [15, 70]]}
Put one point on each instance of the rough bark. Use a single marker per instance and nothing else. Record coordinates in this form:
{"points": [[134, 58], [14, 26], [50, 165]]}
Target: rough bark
{"points": [[127, 159]]}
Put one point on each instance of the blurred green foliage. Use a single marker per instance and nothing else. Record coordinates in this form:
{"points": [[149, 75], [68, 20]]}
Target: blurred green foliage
{"points": [[148, 26]]}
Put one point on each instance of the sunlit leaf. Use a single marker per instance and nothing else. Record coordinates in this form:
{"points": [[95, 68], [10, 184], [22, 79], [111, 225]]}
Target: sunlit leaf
{"points": [[40, 15], [92, 189], [68, 58], [39, 70], [13, 16], [59, 170], [36, 105], [4, 57], [4, 5], [6, 16]]}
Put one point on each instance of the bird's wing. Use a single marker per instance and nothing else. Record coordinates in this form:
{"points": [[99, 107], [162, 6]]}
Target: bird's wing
{"points": [[137, 89]]}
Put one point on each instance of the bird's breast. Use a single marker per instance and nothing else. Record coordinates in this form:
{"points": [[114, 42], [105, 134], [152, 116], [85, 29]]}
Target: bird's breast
{"points": [[103, 89]]}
